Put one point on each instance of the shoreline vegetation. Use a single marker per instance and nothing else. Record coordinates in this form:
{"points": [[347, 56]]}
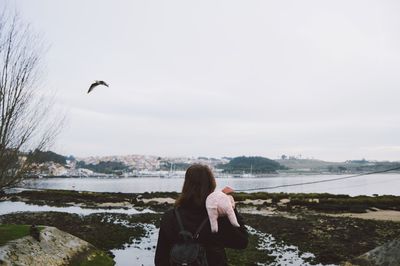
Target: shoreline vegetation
{"points": [[335, 228]]}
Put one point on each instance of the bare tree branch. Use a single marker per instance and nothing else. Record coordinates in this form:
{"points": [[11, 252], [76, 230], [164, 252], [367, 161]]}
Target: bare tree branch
{"points": [[26, 123]]}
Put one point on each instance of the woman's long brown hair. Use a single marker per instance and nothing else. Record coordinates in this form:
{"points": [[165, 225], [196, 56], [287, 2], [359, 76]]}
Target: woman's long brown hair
{"points": [[199, 183]]}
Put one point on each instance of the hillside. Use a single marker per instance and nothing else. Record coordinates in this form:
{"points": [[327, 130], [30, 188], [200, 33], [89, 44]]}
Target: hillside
{"points": [[350, 166], [47, 156], [105, 167], [256, 164], [307, 164]]}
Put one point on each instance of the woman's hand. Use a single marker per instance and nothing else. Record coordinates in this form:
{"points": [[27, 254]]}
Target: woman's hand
{"points": [[228, 190]]}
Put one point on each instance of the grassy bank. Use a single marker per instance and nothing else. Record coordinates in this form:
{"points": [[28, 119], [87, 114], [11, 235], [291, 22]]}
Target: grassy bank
{"points": [[10, 232]]}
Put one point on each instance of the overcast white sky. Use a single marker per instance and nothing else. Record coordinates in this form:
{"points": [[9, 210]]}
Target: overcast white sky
{"points": [[224, 78]]}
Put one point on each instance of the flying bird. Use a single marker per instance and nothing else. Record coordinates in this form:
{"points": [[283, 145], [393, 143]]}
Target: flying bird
{"points": [[95, 84]]}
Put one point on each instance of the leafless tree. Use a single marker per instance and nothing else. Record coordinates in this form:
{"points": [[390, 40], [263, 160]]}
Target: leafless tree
{"points": [[27, 122]]}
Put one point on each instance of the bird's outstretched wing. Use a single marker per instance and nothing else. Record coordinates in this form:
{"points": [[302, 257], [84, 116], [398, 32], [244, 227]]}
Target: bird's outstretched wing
{"points": [[101, 82], [92, 87], [97, 83]]}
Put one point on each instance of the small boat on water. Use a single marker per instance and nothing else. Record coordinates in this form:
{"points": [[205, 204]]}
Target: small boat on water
{"points": [[244, 174]]}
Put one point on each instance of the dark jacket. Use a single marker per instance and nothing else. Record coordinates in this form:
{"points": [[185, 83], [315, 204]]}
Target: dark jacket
{"points": [[227, 236]]}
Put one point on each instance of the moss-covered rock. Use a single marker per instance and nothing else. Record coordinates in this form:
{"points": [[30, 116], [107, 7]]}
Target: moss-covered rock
{"points": [[53, 247]]}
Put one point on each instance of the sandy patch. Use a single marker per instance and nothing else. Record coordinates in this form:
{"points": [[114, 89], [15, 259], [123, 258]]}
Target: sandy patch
{"points": [[283, 202], [383, 215], [252, 210], [255, 202], [160, 200], [123, 204], [269, 211]]}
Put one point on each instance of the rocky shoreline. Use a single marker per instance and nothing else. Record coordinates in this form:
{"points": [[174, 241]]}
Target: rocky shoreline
{"points": [[51, 247], [314, 223]]}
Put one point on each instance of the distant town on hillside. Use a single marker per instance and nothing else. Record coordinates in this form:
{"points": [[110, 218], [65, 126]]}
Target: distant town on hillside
{"points": [[51, 164]]}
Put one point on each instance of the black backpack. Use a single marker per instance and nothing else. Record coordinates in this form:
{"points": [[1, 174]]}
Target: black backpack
{"points": [[188, 251]]}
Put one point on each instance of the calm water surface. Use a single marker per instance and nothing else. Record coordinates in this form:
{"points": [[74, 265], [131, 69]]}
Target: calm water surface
{"points": [[7, 207], [364, 185]]}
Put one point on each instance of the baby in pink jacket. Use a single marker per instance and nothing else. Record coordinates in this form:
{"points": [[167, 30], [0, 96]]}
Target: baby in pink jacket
{"points": [[220, 204]]}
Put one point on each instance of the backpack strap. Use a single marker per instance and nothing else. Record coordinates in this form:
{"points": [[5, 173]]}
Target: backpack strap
{"points": [[182, 232], [178, 218], [196, 235], [185, 233]]}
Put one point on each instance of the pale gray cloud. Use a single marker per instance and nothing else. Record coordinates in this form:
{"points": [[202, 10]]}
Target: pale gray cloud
{"points": [[219, 78]]}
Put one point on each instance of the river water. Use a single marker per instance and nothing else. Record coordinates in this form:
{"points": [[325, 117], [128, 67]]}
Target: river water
{"points": [[382, 184]]}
